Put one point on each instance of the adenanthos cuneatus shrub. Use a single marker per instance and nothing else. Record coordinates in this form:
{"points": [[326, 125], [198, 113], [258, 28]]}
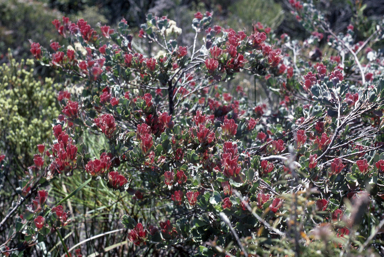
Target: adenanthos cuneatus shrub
{"points": [[223, 177]]}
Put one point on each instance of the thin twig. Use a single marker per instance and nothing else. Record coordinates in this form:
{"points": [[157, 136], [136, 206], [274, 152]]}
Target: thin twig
{"points": [[269, 227], [226, 220]]}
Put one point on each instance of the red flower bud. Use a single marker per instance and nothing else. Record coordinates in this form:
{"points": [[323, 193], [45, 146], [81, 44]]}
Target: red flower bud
{"points": [[41, 148], [321, 205], [211, 64], [192, 197], [39, 222], [227, 204], [276, 204], [362, 165], [106, 30], [336, 166]]}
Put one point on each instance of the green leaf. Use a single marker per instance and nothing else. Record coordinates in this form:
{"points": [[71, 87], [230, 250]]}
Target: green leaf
{"points": [[129, 222], [159, 149], [215, 198], [74, 192], [316, 90]]}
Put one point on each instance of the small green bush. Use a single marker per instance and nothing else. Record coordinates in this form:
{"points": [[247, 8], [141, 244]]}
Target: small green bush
{"points": [[27, 107]]}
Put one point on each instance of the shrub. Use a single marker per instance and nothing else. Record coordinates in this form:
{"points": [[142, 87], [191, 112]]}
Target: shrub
{"points": [[206, 173], [28, 107]]}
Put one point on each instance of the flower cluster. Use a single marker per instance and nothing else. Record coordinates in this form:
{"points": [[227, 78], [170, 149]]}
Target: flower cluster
{"points": [[99, 166]]}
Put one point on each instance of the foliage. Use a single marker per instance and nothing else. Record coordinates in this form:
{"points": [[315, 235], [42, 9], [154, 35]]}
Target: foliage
{"points": [[27, 108], [197, 169], [21, 21]]}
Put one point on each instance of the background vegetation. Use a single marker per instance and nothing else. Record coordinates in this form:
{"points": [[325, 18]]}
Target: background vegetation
{"points": [[28, 94]]}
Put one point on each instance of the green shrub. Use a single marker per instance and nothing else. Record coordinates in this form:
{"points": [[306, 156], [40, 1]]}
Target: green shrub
{"points": [[27, 107]]}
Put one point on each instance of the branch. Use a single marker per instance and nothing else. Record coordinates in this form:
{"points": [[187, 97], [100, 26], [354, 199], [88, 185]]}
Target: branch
{"points": [[259, 218], [226, 220], [94, 237]]}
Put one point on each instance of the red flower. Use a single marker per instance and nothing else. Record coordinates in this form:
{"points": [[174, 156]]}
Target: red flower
{"points": [[337, 215], [42, 196], [320, 127], [165, 118], [342, 232], [351, 99], [128, 59], [38, 160], [217, 28], [71, 109], [226, 188], [211, 64], [151, 64], [259, 110], [312, 161], [114, 101], [116, 180], [36, 50], [182, 51], [368, 76], [229, 127], [146, 143], [215, 52], [267, 166], [71, 54], [261, 136], [39, 222], [278, 146], [181, 177], [55, 46], [98, 167], [309, 80], [290, 72], [57, 130], [59, 210], [179, 154], [336, 166], [251, 124], [106, 123], [301, 138], [227, 203], [41, 148], [380, 165], [102, 49], [205, 135], [57, 57], [262, 199], [192, 197], [126, 95], [148, 99], [137, 235], [336, 76], [83, 65], [230, 160], [198, 15], [257, 39], [96, 71], [106, 30], [177, 197], [362, 165], [321, 69], [168, 178], [274, 57], [276, 204], [323, 141], [56, 23], [321, 205], [350, 27], [232, 50]]}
